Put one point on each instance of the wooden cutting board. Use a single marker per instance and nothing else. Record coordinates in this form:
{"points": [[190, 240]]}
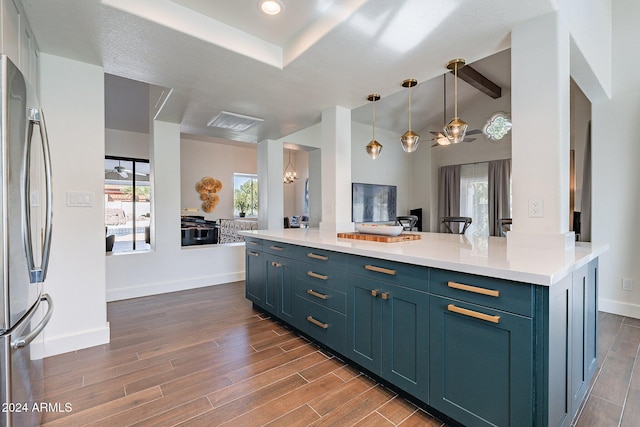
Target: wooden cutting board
{"points": [[403, 237]]}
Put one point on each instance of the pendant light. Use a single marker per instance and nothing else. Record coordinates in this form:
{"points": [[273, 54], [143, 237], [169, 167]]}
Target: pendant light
{"points": [[290, 174], [410, 140], [456, 129], [374, 147]]}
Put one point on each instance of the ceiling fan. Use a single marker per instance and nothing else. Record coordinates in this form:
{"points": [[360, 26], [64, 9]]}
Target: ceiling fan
{"points": [[439, 136], [122, 171]]}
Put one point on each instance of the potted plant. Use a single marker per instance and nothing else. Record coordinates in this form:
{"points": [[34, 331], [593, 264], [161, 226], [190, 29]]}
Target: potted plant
{"points": [[242, 206]]}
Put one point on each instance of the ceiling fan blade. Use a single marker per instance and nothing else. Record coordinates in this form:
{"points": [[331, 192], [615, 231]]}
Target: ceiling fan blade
{"points": [[435, 145], [474, 132], [468, 139], [436, 133]]}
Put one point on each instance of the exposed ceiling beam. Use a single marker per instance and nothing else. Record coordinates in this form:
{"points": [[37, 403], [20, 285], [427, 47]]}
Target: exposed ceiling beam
{"points": [[480, 82]]}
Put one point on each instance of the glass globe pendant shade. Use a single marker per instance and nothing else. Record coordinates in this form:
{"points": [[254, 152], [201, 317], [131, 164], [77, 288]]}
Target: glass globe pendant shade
{"points": [[374, 148], [455, 130], [410, 141]]}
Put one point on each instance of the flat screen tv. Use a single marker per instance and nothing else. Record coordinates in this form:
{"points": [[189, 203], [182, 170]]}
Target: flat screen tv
{"points": [[373, 202]]}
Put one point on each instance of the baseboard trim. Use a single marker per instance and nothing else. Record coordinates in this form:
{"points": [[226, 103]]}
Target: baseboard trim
{"points": [[172, 286], [620, 308], [64, 344]]}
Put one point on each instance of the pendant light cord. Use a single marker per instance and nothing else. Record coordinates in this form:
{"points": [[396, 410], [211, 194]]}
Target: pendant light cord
{"points": [[455, 89], [373, 119], [410, 107]]}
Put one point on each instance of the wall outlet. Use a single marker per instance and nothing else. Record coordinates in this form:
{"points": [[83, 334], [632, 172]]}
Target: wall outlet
{"points": [[536, 208], [627, 284]]}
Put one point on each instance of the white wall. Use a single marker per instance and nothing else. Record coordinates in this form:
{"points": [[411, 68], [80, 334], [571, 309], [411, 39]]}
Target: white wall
{"points": [[126, 144], [616, 175], [169, 267], [201, 158], [72, 95], [392, 167]]}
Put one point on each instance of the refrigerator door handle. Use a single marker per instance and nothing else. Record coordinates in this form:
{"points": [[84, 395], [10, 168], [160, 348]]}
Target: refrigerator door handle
{"points": [[25, 340], [37, 274]]}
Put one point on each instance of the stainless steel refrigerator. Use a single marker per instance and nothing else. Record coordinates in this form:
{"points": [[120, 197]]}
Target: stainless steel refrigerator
{"points": [[25, 240]]}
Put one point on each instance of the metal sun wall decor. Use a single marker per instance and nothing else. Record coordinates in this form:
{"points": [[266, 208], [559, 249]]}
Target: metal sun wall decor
{"points": [[207, 187]]}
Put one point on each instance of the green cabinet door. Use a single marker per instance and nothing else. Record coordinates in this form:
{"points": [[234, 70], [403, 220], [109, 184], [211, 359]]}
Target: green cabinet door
{"points": [[388, 332], [481, 364], [279, 289], [255, 275], [405, 339], [364, 323]]}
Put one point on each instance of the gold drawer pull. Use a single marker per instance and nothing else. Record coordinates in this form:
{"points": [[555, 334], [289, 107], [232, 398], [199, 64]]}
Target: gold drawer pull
{"points": [[276, 248], [374, 292], [471, 313], [317, 322], [317, 294], [320, 257], [252, 243], [385, 295], [317, 276], [276, 264], [253, 253], [474, 289], [380, 269]]}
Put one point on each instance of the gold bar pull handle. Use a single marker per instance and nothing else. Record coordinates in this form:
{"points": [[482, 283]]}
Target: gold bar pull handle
{"points": [[380, 269], [471, 313], [316, 256], [317, 276], [317, 322], [317, 294], [253, 253], [276, 248], [252, 242], [474, 289]]}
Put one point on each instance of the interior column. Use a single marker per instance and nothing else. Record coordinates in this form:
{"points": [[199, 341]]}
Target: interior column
{"points": [[540, 67], [270, 190], [336, 170]]}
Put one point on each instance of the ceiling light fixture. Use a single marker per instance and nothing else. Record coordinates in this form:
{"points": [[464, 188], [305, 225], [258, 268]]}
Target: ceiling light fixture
{"points": [[456, 129], [497, 127], [374, 147], [270, 7], [410, 139], [290, 174]]}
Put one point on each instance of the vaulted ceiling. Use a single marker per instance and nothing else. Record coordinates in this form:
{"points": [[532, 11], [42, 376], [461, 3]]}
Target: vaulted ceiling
{"points": [[226, 55]]}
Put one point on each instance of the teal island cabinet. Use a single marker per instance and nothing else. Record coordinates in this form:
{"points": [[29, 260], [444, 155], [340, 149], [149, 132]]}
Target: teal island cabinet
{"points": [[483, 334]]}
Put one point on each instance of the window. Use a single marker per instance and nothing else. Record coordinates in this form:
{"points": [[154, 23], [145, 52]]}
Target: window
{"points": [[474, 197], [245, 195], [127, 203]]}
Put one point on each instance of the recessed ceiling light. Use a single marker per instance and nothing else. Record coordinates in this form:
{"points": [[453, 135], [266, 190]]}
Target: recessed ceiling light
{"points": [[271, 7]]}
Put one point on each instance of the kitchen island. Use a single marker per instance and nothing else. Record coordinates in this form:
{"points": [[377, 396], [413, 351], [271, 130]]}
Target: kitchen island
{"points": [[483, 333]]}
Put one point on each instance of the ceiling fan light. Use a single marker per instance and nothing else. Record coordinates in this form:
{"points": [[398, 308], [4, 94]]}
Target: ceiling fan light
{"points": [[410, 141], [373, 149], [455, 130], [442, 140]]}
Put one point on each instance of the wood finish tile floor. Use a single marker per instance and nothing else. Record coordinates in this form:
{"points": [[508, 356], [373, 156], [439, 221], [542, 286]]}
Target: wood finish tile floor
{"points": [[204, 357]]}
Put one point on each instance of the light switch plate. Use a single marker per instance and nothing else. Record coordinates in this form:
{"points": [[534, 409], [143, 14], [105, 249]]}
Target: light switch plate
{"points": [[79, 199]]}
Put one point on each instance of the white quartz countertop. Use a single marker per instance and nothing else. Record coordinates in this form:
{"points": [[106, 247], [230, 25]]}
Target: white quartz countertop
{"points": [[483, 256]]}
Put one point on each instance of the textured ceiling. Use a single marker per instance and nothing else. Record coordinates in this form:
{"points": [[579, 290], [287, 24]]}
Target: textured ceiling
{"points": [[224, 55]]}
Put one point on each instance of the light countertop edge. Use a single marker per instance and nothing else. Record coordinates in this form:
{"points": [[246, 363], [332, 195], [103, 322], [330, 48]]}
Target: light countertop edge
{"points": [[481, 256]]}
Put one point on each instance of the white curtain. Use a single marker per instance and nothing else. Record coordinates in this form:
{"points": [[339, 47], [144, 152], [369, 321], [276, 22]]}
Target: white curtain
{"points": [[474, 197]]}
